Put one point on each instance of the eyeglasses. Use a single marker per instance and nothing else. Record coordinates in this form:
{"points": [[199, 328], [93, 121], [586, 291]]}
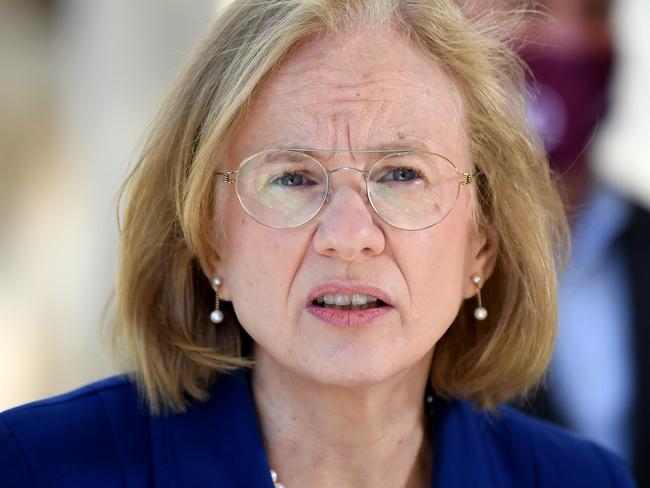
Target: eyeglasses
{"points": [[285, 188]]}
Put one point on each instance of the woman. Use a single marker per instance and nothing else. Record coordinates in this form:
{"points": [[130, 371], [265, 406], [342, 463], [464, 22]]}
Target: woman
{"points": [[332, 184]]}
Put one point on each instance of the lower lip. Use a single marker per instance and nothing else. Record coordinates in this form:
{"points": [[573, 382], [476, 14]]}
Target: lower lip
{"points": [[348, 318]]}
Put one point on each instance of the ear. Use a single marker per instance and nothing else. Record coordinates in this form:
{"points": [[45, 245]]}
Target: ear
{"points": [[480, 259]]}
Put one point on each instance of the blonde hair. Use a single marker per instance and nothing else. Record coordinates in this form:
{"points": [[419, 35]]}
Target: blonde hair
{"points": [[167, 240]]}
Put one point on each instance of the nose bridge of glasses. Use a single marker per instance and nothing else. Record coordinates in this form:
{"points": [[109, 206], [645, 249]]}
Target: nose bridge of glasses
{"points": [[362, 189], [350, 168]]}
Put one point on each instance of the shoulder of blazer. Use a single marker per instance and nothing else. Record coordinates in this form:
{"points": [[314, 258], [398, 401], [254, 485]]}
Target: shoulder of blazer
{"points": [[509, 448], [97, 435], [557, 456]]}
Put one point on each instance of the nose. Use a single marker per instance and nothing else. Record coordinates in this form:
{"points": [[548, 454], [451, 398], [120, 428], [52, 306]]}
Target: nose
{"points": [[347, 227]]}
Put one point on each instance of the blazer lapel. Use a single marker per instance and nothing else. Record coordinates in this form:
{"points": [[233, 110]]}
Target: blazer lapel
{"points": [[217, 443], [463, 453]]}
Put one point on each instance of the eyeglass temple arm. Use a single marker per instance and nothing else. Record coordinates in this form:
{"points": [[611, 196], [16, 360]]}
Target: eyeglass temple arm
{"points": [[229, 176]]}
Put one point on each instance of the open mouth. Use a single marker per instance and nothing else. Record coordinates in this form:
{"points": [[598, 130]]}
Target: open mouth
{"points": [[345, 302]]}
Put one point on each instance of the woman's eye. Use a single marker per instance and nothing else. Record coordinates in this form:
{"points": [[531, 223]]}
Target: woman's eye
{"points": [[291, 179], [401, 174]]}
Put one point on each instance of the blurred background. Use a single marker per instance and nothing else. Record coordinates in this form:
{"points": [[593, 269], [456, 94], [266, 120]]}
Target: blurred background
{"points": [[586, 99], [80, 80]]}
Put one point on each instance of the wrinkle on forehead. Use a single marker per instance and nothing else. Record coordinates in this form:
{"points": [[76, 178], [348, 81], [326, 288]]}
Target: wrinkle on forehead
{"points": [[356, 92], [348, 60]]}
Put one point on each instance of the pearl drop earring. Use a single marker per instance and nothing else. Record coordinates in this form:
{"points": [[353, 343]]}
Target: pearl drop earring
{"points": [[480, 312], [216, 316]]}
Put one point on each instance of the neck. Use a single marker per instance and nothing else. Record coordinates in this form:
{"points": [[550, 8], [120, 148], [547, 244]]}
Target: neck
{"points": [[324, 435]]}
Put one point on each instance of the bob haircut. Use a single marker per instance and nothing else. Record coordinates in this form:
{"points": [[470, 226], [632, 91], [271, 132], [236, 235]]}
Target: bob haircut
{"points": [[171, 215]]}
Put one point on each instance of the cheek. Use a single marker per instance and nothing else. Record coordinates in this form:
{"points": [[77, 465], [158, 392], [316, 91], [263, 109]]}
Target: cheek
{"points": [[240, 256], [437, 288], [254, 282], [258, 268], [434, 267]]}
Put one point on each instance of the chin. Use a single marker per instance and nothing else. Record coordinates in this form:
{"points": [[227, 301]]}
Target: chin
{"points": [[345, 361], [353, 372]]}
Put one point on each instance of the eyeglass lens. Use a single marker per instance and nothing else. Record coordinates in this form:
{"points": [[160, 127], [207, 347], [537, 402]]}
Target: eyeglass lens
{"points": [[284, 189]]}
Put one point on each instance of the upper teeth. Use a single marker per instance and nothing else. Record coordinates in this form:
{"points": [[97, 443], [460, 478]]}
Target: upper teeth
{"points": [[341, 299]]}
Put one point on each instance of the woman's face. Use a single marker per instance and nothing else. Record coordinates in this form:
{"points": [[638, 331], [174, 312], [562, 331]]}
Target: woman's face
{"points": [[369, 90]]}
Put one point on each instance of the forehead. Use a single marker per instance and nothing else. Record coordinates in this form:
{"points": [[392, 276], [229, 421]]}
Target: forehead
{"points": [[360, 91]]}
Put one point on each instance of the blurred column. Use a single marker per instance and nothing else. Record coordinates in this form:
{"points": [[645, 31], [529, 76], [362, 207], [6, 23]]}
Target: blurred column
{"points": [[622, 150], [106, 66], [26, 165]]}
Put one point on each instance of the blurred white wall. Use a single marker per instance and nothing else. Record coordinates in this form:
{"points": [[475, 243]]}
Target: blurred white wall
{"points": [[79, 82]]}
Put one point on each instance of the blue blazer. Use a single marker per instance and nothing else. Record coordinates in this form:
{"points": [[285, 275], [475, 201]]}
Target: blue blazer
{"points": [[100, 436]]}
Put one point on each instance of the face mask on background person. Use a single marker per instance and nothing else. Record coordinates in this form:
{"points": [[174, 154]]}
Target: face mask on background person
{"points": [[567, 100]]}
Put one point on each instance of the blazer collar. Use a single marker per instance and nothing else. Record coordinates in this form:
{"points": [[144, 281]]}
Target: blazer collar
{"points": [[463, 454], [218, 443]]}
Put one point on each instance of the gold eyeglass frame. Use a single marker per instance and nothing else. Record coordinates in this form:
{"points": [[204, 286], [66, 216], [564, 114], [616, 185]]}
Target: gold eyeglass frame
{"points": [[230, 177]]}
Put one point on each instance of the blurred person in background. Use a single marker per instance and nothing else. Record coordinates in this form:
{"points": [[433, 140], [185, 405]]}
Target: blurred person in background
{"points": [[599, 381]]}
